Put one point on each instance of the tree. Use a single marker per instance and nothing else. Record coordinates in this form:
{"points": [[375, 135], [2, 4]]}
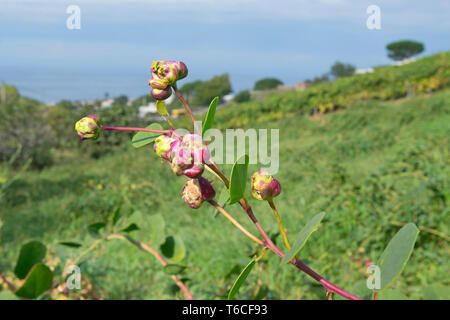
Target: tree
{"points": [[242, 96], [400, 50], [207, 90], [339, 69], [267, 83], [189, 88]]}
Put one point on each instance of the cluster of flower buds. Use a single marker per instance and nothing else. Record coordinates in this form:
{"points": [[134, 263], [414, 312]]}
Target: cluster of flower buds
{"points": [[165, 74], [88, 127], [264, 185], [197, 191], [186, 155]]}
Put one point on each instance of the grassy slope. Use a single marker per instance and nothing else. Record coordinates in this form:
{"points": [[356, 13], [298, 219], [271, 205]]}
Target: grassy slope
{"points": [[369, 167]]}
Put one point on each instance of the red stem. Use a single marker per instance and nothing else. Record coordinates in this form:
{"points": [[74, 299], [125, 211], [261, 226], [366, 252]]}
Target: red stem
{"points": [[136, 129], [295, 262], [188, 109]]}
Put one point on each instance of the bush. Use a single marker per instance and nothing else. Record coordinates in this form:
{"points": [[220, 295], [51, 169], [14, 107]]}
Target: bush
{"points": [[267, 83], [242, 96]]}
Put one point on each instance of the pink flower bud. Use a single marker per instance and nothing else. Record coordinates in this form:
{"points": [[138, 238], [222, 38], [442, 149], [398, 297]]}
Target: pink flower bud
{"points": [[88, 127], [264, 185], [196, 191], [189, 155], [161, 94], [166, 73]]}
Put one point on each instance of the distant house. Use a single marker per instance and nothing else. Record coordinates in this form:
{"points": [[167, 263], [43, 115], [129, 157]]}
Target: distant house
{"points": [[300, 86], [149, 108], [363, 71], [106, 103], [404, 61]]}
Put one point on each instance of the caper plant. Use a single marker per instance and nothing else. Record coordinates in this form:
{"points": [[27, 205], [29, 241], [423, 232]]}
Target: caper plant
{"points": [[188, 155]]}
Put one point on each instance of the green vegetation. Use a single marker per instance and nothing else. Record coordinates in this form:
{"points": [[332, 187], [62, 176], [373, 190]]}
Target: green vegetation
{"points": [[267, 83], [340, 70], [400, 50], [372, 167], [242, 96]]}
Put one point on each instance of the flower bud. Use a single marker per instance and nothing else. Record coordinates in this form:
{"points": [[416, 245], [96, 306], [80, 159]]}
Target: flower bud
{"points": [[88, 127], [264, 185], [161, 94], [196, 191], [189, 155], [166, 73], [194, 143], [162, 146]]}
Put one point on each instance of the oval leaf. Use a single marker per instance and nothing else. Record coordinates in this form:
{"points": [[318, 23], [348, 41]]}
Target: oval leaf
{"points": [[37, 282], [209, 119], [174, 268], [173, 249], [70, 244], [30, 254], [238, 179], [142, 138], [131, 227], [241, 279], [94, 229], [222, 200], [305, 233], [397, 253]]}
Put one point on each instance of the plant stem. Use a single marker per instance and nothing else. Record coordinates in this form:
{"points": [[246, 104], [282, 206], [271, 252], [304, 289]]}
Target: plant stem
{"points": [[158, 257], [10, 286], [295, 262], [188, 109], [136, 129], [280, 224], [93, 246], [233, 221]]}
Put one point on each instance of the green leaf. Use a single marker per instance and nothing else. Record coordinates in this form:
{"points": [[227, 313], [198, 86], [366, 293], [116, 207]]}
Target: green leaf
{"points": [[437, 292], [142, 138], [223, 199], [173, 249], [305, 233], [391, 294], [157, 225], [38, 280], [30, 254], [241, 279], [209, 119], [238, 179], [94, 229], [174, 268], [116, 215], [131, 227], [70, 244], [161, 108], [360, 290], [396, 255]]}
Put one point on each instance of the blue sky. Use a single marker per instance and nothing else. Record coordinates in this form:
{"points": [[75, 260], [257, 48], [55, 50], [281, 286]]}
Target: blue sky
{"points": [[289, 39]]}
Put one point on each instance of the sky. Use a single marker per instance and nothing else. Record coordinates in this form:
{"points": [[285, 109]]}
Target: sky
{"points": [[292, 40]]}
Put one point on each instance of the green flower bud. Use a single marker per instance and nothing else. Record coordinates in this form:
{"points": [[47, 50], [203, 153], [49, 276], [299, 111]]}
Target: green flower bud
{"points": [[264, 186], [89, 127]]}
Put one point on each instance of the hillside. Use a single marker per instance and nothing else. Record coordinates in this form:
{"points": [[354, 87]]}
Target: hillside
{"points": [[372, 166]]}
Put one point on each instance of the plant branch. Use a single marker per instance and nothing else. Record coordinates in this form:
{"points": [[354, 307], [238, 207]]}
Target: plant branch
{"points": [[8, 284], [146, 247], [280, 224], [137, 129], [295, 262], [188, 109], [233, 221]]}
